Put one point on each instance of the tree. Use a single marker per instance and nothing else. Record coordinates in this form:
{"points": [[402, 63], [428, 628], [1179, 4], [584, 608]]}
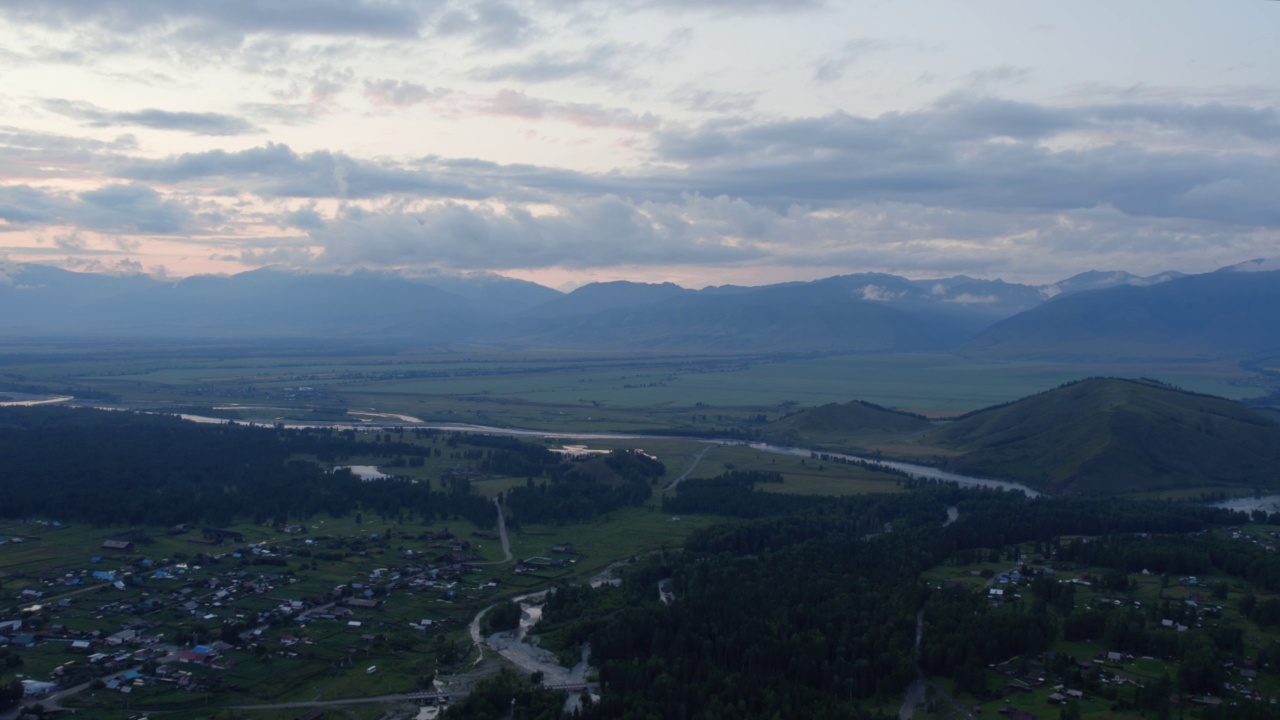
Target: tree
{"points": [[10, 693]]}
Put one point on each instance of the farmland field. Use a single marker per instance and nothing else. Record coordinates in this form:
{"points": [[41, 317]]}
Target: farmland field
{"points": [[560, 391]]}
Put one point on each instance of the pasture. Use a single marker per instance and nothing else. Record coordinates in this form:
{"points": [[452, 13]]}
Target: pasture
{"points": [[558, 391]]}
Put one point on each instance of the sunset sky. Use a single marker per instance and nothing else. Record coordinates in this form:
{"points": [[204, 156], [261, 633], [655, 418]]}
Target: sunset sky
{"points": [[696, 141]]}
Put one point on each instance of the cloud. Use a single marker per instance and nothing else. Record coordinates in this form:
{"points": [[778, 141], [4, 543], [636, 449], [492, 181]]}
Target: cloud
{"points": [[1213, 119], [287, 113], [277, 171], [984, 153], [734, 7], [967, 185], [73, 241], [131, 207], [113, 208], [600, 63], [833, 66], [191, 122], [27, 156], [959, 153], [999, 75], [722, 232], [598, 232], [490, 24], [304, 219], [401, 93], [511, 103], [875, 293], [315, 17], [124, 25], [21, 204], [97, 265], [712, 101], [971, 299]]}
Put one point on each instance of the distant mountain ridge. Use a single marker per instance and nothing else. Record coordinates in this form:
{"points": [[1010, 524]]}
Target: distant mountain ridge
{"points": [[1223, 314], [40, 300], [1095, 280], [860, 313], [857, 313]]}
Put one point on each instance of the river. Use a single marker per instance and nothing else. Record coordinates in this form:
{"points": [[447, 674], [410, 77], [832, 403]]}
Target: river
{"points": [[16, 399], [367, 473], [916, 471], [923, 472]]}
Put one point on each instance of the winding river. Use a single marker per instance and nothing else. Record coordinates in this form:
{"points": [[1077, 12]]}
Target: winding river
{"points": [[922, 472], [16, 399]]}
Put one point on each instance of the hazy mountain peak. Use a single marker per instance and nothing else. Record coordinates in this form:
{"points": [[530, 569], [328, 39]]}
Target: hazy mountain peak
{"points": [[624, 285], [1102, 279], [865, 311]]}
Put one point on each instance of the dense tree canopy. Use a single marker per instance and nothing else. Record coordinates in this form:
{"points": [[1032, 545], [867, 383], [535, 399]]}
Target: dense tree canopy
{"points": [[126, 468]]}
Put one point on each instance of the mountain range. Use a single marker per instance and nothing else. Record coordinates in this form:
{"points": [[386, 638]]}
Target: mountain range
{"points": [[1099, 315]]}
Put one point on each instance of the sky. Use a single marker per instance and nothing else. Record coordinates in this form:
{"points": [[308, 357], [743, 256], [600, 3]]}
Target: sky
{"points": [[701, 142]]}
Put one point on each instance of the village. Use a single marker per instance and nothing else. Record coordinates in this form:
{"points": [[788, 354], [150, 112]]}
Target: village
{"points": [[151, 620], [1081, 674]]}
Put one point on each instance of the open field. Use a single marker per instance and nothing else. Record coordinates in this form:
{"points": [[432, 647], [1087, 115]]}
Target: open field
{"points": [[567, 392]]}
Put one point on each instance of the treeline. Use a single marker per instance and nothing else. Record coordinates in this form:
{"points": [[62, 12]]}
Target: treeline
{"points": [[963, 634], [504, 695], [749, 637], [734, 494], [573, 492], [993, 518], [11, 693], [799, 615], [864, 464], [112, 468], [120, 468]]}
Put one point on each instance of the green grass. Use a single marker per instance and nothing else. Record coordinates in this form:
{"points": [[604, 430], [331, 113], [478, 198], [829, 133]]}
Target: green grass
{"points": [[563, 391], [618, 535], [801, 476]]}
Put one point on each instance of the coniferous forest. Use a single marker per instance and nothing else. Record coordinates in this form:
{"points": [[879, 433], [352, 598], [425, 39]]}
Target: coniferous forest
{"points": [[790, 606]]}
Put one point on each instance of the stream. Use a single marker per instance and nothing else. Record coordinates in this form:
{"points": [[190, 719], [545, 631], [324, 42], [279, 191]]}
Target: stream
{"points": [[529, 658]]}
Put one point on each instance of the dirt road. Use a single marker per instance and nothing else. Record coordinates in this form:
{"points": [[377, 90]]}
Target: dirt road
{"points": [[692, 467]]}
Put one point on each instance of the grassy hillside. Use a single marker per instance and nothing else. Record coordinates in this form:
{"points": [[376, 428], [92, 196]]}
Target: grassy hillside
{"points": [[852, 426], [1108, 436]]}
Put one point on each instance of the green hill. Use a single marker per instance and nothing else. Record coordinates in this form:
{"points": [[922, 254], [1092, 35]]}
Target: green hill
{"points": [[1110, 436], [851, 426]]}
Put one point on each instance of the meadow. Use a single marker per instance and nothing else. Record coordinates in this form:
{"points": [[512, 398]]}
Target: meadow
{"points": [[560, 392]]}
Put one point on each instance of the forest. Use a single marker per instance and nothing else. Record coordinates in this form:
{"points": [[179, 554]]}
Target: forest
{"points": [[109, 468], [812, 608], [791, 606]]}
